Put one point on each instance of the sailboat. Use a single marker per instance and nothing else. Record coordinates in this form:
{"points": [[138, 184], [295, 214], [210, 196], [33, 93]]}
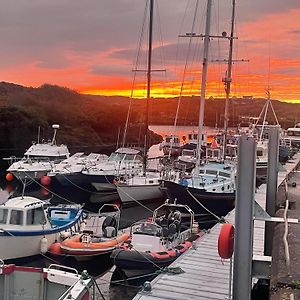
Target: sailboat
{"points": [[210, 188], [146, 185]]}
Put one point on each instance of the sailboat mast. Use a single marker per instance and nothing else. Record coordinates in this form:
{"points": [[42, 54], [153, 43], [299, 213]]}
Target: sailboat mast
{"points": [[149, 63], [228, 79], [203, 81]]}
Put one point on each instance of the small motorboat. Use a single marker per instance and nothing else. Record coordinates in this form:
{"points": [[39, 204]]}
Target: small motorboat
{"points": [[28, 226], [100, 236], [54, 282], [157, 242], [38, 160]]}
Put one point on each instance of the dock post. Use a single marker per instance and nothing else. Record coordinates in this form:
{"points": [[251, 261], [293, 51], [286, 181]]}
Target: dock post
{"points": [[272, 175], [243, 239]]}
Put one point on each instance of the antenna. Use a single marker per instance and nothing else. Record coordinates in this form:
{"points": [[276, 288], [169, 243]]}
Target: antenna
{"points": [[55, 127]]}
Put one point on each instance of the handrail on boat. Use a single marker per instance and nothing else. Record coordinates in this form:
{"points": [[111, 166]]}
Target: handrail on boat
{"points": [[61, 267]]}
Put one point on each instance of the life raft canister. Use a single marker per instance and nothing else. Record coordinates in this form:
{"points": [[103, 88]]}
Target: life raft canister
{"points": [[226, 241]]}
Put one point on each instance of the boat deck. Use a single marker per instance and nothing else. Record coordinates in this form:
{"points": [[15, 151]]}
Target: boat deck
{"points": [[206, 275]]}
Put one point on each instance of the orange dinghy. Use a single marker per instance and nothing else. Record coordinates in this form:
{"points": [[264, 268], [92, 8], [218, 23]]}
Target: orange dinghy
{"points": [[102, 237], [88, 244]]}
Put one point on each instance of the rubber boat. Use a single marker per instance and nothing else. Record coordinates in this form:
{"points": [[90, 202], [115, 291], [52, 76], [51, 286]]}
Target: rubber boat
{"points": [[100, 236], [158, 241]]}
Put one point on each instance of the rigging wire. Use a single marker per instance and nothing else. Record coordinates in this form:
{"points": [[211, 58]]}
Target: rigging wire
{"points": [[134, 73]]}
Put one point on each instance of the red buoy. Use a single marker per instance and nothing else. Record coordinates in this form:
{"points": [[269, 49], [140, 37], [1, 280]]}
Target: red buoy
{"points": [[9, 176], [45, 191], [226, 241], [45, 180], [55, 249], [9, 188]]}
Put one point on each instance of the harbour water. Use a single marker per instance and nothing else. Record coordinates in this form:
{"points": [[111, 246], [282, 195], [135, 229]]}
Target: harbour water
{"points": [[102, 268]]}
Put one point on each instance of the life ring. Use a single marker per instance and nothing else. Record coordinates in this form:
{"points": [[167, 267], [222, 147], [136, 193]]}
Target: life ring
{"points": [[226, 241]]}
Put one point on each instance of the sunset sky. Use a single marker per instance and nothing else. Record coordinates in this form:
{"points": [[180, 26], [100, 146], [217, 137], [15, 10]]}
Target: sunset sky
{"points": [[91, 46]]}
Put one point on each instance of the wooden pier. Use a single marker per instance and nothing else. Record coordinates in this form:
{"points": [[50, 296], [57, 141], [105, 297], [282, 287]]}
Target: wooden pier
{"points": [[206, 275]]}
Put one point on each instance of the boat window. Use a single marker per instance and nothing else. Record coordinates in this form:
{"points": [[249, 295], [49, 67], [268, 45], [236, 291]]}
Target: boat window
{"points": [[223, 174], [116, 156], [129, 157], [35, 216], [3, 215], [211, 172], [201, 171], [259, 153], [16, 217]]}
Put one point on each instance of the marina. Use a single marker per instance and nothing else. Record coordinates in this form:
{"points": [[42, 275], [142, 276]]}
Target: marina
{"points": [[165, 170]]}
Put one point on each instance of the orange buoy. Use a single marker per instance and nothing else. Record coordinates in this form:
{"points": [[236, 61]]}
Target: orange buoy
{"points": [[226, 241], [55, 249], [44, 191], [45, 180], [9, 176], [9, 188]]}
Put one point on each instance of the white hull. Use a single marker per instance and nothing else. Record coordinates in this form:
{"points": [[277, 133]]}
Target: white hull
{"points": [[131, 193], [37, 175], [13, 247]]}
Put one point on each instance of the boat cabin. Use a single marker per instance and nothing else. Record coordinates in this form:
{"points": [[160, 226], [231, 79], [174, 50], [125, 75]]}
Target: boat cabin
{"points": [[29, 213], [125, 155]]}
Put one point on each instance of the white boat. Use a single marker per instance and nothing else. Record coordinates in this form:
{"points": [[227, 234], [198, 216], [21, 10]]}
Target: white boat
{"points": [[262, 160], [122, 162], [52, 283], [292, 136], [39, 159], [146, 185], [171, 145], [140, 188], [68, 172], [28, 227]]}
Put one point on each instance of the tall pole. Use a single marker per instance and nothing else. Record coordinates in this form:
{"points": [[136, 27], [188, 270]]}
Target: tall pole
{"points": [[203, 81], [272, 179], [148, 82], [243, 240], [228, 79]]}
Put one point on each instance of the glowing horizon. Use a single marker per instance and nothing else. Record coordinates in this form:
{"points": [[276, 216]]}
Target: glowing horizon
{"points": [[93, 52]]}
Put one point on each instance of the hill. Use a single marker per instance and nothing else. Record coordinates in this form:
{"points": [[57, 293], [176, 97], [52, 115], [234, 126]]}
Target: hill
{"points": [[96, 123]]}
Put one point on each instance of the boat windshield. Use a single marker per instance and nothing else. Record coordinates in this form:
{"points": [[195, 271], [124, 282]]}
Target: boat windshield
{"points": [[223, 174], [116, 156], [129, 157], [146, 228]]}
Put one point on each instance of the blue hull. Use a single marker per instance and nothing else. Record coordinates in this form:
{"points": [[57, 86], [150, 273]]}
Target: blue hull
{"points": [[218, 203]]}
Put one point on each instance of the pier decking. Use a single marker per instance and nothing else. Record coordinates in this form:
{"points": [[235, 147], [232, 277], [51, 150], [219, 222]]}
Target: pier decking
{"points": [[206, 275]]}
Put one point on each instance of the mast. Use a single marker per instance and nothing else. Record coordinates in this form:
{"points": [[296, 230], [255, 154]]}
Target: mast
{"points": [[148, 83], [227, 80], [203, 81]]}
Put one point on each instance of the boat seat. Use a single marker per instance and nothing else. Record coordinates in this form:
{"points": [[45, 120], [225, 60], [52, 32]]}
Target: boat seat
{"points": [[109, 232], [172, 229], [165, 232], [109, 221]]}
